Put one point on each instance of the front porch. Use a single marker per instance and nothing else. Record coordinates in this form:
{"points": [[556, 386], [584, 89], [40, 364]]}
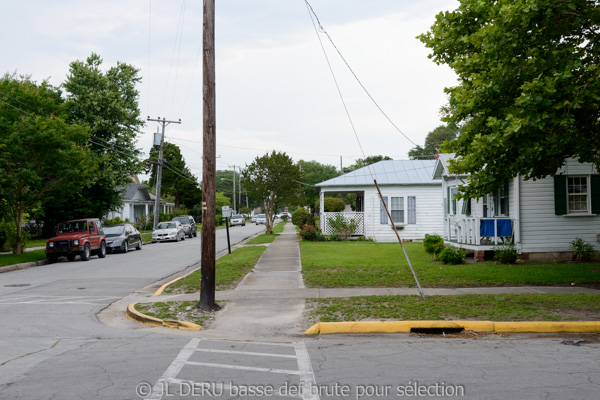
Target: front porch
{"points": [[477, 233]]}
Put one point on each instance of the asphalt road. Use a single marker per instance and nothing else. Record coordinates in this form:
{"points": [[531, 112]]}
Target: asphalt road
{"points": [[53, 346]]}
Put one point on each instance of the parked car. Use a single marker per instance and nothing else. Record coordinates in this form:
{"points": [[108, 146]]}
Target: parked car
{"points": [[284, 214], [237, 220], [189, 225], [122, 237], [261, 219], [253, 219], [81, 237], [165, 231]]}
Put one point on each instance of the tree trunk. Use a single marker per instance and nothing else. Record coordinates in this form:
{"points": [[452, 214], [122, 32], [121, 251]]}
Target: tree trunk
{"points": [[19, 217]]}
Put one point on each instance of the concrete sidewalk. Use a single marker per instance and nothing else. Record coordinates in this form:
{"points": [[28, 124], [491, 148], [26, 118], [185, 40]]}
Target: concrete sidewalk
{"points": [[269, 302]]}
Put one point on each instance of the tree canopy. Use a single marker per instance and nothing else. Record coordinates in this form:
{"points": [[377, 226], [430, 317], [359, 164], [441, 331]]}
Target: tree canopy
{"points": [[529, 86], [272, 178], [433, 143], [363, 162], [314, 172]]}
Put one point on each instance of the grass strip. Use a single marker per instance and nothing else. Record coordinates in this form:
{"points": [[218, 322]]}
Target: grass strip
{"points": [[230, 270], [177, 310], [488, 307], [368, 264], [28, 256], [268, 237]]}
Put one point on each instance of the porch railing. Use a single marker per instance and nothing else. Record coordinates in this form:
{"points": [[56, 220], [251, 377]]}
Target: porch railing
{"points": [[359, 217], [479, 231]]}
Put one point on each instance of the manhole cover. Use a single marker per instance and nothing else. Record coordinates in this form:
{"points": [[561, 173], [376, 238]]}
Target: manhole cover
{"points": [[18, 285], [81, 288]]}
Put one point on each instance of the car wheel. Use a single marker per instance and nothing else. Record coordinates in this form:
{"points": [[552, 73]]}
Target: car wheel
{"points": [[85, 256], [102, 251], [124, 247], [153, 241], [195, 233], [51, 259], [139, 245], [70, 257]]}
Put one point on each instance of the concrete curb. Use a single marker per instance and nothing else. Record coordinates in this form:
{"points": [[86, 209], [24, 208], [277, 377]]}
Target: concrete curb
{"points": [[163, 287], [15, 267], [479, 326], [137, 316]]}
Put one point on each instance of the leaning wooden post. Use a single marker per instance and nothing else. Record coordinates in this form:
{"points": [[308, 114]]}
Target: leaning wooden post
{"points": [[399, 239]]}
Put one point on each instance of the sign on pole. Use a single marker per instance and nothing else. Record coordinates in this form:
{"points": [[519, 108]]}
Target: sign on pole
{"points": [[226, 211]]}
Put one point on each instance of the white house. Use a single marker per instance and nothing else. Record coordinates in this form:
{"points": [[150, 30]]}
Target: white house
{"points": [[137, 203], [540, 217], [413, 198]]}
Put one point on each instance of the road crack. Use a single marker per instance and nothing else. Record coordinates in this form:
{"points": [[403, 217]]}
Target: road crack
{"points": [[30, 354]]}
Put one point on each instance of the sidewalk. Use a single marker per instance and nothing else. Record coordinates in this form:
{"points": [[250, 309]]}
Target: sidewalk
{"points": [[269, 302]]}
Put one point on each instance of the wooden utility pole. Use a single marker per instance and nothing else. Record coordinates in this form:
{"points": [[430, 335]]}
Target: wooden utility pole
{"points": [[207, 287]]}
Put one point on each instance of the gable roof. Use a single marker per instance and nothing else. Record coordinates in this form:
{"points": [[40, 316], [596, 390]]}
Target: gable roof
{"points": [[133, 191], [388, 172]]}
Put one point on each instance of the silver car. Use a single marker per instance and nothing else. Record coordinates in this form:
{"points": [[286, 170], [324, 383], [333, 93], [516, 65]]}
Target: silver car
{"points": [[167, 231], [261, 219], [237, 220]]}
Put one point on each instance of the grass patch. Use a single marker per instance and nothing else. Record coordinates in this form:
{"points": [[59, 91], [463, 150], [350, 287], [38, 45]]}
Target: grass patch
{"points": [[36, 243], [489, 307], [268, 237], [279, 227], [368, 264], [28, 256], [177, 310], [230, 269]]}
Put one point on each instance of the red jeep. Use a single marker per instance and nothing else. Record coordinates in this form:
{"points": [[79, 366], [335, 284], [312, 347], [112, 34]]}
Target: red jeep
{"points": [[82, 237]]}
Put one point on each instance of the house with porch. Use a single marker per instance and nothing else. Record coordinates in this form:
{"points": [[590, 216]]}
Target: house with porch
{"points": [[539, 217], [414, 200], [137, 204]]}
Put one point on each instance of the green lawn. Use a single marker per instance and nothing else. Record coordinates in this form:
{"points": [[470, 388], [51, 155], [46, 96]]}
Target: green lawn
{"points": [[28, 256], [497, 307], [230, 270], [368, 264], [268, 238], [36, 243]]}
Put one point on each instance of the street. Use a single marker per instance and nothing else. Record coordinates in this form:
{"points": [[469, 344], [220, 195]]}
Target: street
{"points": [[53, 345]]}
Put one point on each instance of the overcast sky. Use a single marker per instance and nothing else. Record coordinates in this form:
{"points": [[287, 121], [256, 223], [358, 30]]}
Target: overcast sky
{"points": [[274, 87]]}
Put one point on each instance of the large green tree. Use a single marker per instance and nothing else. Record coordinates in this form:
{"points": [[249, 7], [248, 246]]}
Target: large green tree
{"points": [[272, 178], [529, 86], [363, 162], [41, 154], [433, 143], [313, 172]]}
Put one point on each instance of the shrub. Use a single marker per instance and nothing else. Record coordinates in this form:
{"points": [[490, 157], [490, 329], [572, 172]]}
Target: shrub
{"points": [[114, 221], [8, 236], [300, 218], [310, 233], [505, 254], [433, 244], [452, 255], [582, 250], [342, 227], [333, 204]]}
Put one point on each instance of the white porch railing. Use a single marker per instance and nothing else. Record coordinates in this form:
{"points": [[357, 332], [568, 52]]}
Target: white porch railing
{"points": [[478, 231], [359, 217]]}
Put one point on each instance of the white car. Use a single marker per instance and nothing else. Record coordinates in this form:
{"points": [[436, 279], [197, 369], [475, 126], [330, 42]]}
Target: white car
{"points": [[166, 231], [261, 219], [280, 215], [237, 220]]}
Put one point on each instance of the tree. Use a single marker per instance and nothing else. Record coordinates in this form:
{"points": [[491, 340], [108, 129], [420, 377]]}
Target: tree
{"points": [[433, 143], [363, 162], [273, 178], [314, 172], [40, 153], [529, 87], [177, 180]]}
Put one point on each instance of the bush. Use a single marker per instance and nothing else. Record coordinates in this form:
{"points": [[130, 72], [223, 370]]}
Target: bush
{"points": [[452, 255], [505, 254], [582, 250], [116, 220], [433, 244], [310, 233], [341, 227], [300, 218], [8, 236], [333, 204]]}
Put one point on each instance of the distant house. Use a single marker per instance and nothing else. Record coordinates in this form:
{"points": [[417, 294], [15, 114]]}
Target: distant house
{"points": [[137, 203], [413, 198], [540, 217]]}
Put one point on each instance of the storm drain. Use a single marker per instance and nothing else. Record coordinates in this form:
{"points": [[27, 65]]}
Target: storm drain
{"points": [[437, 331]]}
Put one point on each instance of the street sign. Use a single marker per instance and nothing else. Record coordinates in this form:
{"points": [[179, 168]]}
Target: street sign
{"points": [[226, 211]]}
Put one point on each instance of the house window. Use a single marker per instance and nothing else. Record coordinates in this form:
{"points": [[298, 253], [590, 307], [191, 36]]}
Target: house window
{"points": [[485, 205], [452, 192], [502, 201], [577, 194], [397, 209]]}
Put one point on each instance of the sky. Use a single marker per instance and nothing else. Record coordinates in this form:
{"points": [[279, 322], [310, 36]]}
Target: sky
{"points": [[274, 86]]}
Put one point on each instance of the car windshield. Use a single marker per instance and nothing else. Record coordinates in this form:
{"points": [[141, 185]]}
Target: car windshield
{"points": [[114, 229], [166, 225], [237, 217], [182, 220], [75, 226], [260, 216]]}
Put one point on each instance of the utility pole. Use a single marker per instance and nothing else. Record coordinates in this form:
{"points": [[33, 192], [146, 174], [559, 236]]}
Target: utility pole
{"points": [[234, 205], [207, 286], [164, 123]]}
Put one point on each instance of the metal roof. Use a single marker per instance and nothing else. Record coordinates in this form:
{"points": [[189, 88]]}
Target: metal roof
{"points": [[389, 172]]}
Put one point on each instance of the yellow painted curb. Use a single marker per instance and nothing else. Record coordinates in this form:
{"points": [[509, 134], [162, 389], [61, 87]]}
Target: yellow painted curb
{"points": [[163, 287], [137, 316], [479, 326]]}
